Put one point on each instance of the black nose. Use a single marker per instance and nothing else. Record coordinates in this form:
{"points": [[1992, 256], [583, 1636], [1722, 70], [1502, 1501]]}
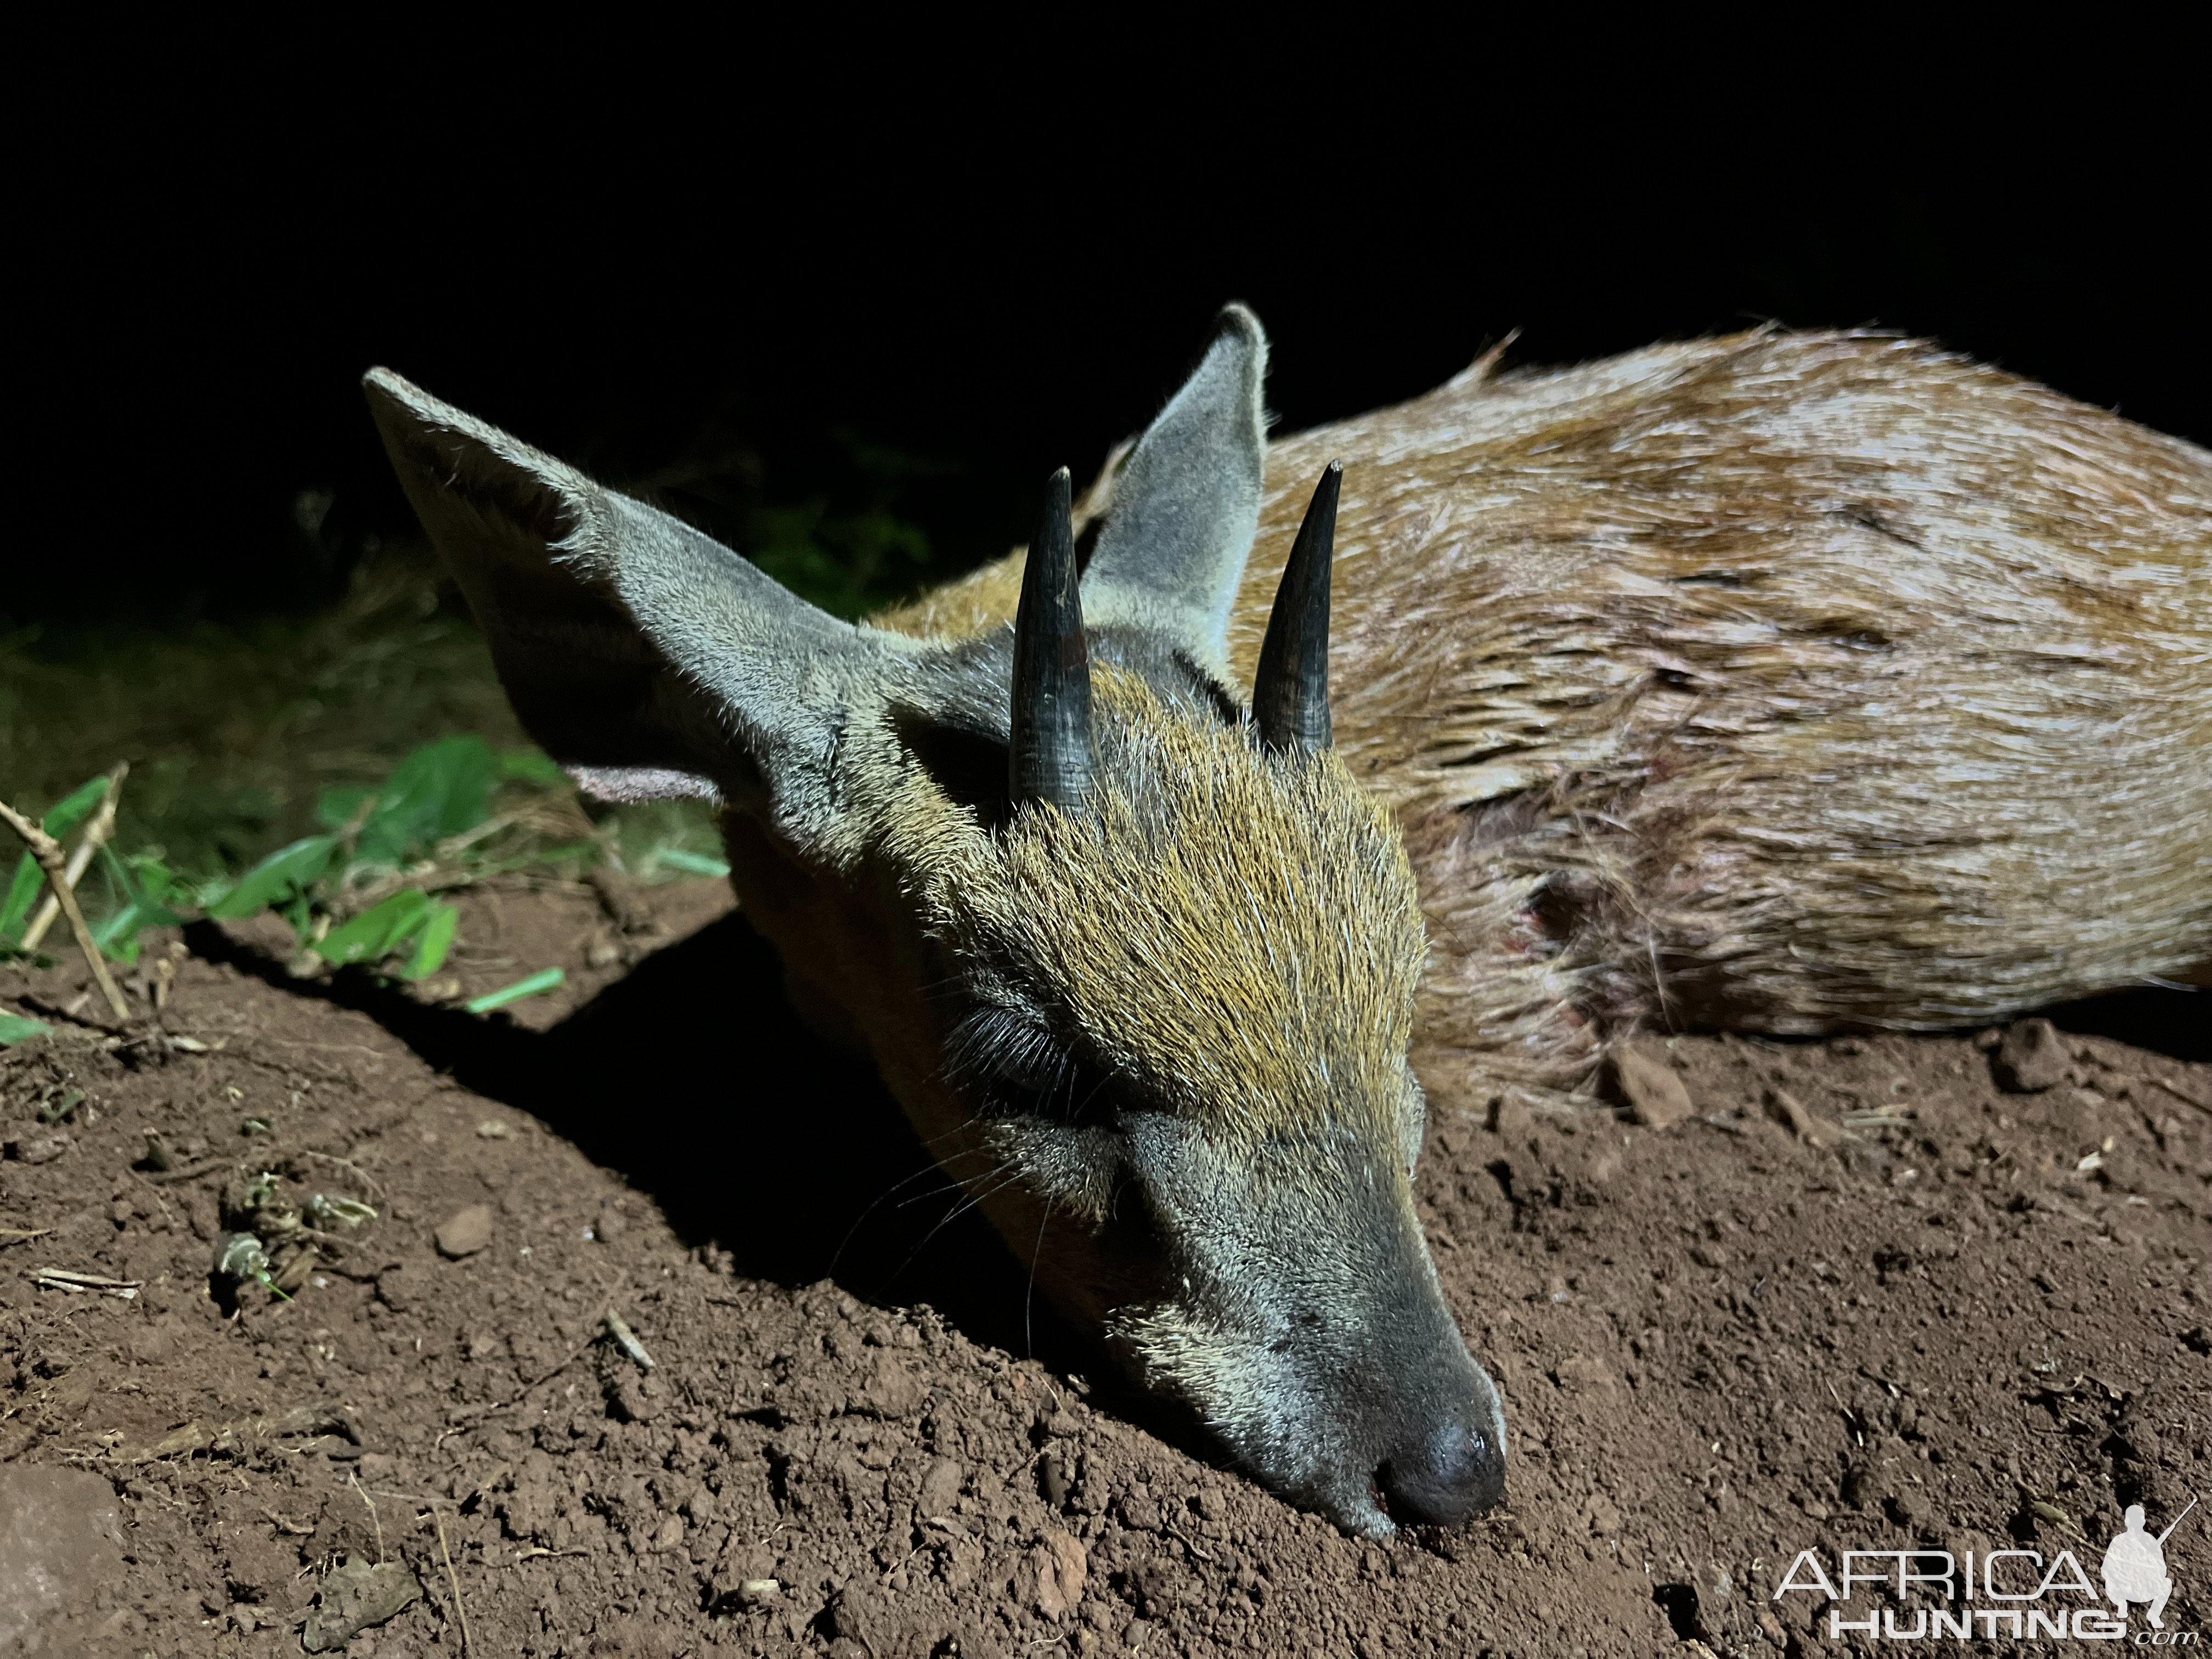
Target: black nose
{"points": [[1450, 1472]]}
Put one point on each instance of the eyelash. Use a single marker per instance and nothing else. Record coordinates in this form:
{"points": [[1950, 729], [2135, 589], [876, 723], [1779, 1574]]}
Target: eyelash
{"points": [[1012, 1056]]}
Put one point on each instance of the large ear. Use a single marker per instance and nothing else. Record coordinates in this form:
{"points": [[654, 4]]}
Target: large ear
{"points": [[647, 658], [1188, 504]]}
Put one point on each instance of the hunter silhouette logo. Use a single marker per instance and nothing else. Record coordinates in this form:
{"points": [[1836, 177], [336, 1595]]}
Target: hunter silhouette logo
{"points": [[2013, 1593], [2135, 1566]]}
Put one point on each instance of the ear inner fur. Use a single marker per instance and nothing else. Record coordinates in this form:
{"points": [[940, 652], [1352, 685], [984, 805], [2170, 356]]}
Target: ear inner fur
{"points": [[1186, 504]]}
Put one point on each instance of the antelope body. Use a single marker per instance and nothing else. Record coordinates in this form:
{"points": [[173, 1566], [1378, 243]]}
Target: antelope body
{"points": [[1782, 682]]}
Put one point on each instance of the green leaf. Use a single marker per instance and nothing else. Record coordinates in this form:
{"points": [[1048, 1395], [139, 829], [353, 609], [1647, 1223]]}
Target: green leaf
{"points": [[22, 892], [62, 817], [378, 932], [334, 807], [279, 879], [532, 766], [545, 979], [440, 790], [431, 945], [697, 864], [72, 808], [20, 1028], [146, 882]]}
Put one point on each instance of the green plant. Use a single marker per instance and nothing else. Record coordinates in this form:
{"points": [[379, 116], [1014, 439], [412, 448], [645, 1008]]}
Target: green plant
{"points": [[364, 891], [60, 820]]}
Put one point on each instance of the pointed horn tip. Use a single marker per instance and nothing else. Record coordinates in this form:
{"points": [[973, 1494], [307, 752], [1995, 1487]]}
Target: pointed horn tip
{"points": [[1335, 469]]}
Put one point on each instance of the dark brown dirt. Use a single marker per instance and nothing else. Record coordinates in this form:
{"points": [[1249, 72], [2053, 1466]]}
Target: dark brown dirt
{"points": [[1972, 1319]]}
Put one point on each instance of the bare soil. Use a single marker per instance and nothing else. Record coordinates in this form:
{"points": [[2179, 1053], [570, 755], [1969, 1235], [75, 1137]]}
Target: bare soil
{"points": [[1933, 1313]]}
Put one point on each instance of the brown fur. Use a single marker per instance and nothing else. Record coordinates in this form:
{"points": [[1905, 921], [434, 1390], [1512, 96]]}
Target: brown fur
{"points": [[1784, 682]]}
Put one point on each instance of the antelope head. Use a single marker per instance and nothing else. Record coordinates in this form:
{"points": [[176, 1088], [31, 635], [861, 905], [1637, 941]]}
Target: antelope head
{"points": [[1137, 959]]}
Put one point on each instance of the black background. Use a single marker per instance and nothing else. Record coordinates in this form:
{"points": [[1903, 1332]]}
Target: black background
{"points": [[206, 290]]}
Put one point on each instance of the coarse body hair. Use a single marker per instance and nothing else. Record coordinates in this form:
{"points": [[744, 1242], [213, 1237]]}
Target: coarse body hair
{"points": [[1792, 683]]}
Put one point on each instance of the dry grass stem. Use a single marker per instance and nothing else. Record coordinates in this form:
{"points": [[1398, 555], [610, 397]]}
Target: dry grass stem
{"points": [[354, 1481], [94, 837], [48, 852], [62, 1278], [452, 1578]]}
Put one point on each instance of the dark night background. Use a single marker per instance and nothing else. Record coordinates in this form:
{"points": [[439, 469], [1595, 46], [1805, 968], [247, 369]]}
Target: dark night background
{"points": [[876, 361]]}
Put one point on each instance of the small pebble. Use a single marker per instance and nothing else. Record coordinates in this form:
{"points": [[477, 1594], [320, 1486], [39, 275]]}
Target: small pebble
{"points": [[465, 1232], [1652, 1090], [2031, 1058]]}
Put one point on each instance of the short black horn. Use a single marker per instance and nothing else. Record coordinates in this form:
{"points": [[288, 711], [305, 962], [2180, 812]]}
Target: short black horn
{"points": [[1289, 697], [1051, 757]]}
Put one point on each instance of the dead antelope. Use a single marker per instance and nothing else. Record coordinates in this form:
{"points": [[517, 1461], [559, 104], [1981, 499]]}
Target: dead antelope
{"points": [[1785, 683]]}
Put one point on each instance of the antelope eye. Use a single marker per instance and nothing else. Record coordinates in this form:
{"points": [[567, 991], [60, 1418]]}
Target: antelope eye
{"points": [[1023, 1069]]}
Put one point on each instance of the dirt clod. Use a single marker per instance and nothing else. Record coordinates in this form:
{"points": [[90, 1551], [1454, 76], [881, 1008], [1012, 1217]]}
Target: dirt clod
{"points": [[355, 1597], [35, 1149], [2030, 1058], [1652, 1090], [465, 1232], [1060, 1565]]}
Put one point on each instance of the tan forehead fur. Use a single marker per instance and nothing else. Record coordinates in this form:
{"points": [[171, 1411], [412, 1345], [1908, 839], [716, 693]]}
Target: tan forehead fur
{"points": [[1236, 933]]}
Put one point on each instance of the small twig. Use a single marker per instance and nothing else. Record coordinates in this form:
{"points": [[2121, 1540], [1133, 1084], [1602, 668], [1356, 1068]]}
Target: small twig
{"points": [[17, 1235], [94, 837], [353, 1478], [351, 832], [61, 1278], [626, 1340], [454, 846], [190, 1172], [367, 1179], [2177, 1093], [452, 1578], [48, 852], [1190, 1544], [290, 1528]]}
